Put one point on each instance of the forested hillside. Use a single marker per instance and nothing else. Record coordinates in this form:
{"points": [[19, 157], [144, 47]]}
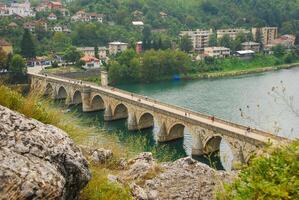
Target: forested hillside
{"points": [[190, 14]]}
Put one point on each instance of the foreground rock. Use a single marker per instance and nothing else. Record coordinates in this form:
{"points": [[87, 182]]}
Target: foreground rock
{"points": [[182, 179], [38, 161]]}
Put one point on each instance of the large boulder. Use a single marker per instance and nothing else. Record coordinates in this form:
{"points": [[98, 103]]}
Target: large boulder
{"points": [[185, 178], [38, 161]]}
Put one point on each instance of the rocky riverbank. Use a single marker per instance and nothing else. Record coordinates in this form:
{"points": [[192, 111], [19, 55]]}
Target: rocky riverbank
{"points": [[38, 161]]}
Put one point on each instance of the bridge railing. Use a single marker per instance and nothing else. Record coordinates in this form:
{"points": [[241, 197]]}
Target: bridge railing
{"points": [[148, 99]]}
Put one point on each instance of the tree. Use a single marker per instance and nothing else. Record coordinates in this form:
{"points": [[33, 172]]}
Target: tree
{"points": [[279, 50], [3, 59], [72, 55], [213, 40], [60, 41], [96, 52], [17, 64], [27, 45], [186, 44], [225, 41]]}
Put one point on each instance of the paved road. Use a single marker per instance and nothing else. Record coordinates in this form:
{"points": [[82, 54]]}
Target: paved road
{"points": [[184, 113]]}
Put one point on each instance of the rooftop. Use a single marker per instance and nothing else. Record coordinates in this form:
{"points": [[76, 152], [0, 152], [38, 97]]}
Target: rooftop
{"points": [[4, 43], [117, 43], [244, 52], [250, 43]]}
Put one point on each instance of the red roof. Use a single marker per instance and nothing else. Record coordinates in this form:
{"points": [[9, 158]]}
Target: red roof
{"points": [[88, 58]]}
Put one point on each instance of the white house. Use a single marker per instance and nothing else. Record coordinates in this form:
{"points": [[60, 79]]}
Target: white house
{"points": [[91, 62], [52, 17], [117, 47], [22, 9]]}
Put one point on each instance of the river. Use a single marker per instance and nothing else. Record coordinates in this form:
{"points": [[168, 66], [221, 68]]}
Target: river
{"points": [[242, 99]]}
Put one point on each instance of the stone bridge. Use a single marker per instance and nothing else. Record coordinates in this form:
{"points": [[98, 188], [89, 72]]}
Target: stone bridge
{"points": [[143, 113]]}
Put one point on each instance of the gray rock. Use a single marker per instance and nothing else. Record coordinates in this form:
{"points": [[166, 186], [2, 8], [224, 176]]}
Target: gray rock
{"points": [[185, 178], [101, 155], [38, 161]]}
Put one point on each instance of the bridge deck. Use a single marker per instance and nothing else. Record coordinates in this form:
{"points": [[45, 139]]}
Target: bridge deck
{"points": [[241, 130]]}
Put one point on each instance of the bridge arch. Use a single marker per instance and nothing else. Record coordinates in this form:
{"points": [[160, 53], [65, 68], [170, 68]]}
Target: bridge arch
{"points": [[212, 144], [120, 112], [176, 130], [49, 90], [146, 120], [77, 97], [97, 103], [61, 94]]}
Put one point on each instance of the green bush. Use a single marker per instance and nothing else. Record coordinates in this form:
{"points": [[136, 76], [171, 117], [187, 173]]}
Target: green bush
{"points": [[271, 177]]}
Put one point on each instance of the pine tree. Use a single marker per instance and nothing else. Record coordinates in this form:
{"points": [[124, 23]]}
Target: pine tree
{"points": [[27, 45], [96, 52]]}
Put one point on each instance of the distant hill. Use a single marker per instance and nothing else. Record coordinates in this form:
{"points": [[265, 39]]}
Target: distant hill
{"points": [[189, 14]]}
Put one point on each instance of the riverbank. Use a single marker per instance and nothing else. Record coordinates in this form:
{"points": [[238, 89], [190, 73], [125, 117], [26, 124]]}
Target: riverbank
{"points": [[240, 72]]}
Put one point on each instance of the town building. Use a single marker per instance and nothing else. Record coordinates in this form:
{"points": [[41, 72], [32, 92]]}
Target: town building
{"points": [[245, 54], [87, 17], [91, 62], [12, 25], [52, 17], [21, 9], [138, 47], [287, 41], [90, 51], [216, 52], [138, 23], [117, 47], [5, 46], [200, 38], [55, 5], [254, 46], [267, 34], [231, 32]]}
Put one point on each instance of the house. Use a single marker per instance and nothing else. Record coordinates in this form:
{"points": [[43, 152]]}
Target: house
{"points": [[117, 47], [5, 46], [163, 14], [137, 23], [22, 9], [245, 54], [57, 28], [216, 52], [55, 5], [4, 10], [52, 17], [138, 47], [267, 34], [231, 32], [254, 46], [87, 17], [137, 13], [287, 41], [30, 26], [91, 62], [200, 38]]}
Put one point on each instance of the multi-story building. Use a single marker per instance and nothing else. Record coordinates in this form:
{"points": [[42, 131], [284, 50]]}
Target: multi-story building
{"points": [[231, 32], [268, 34], [90, 51], [117, 47], [217, 52], [87, 17], [254, 46], [287, 41], [200, 38]]}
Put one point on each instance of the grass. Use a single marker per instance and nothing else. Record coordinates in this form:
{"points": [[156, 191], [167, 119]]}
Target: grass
{"points": [[62, 69], [83, 132], [34, 106]]}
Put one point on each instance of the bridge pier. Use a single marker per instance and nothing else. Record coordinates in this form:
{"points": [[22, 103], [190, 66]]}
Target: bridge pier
{"points": [[86, 94], [132, 122], [108, 114], [197, 147]]}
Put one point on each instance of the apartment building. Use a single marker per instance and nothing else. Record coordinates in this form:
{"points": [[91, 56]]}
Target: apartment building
{"points": [[200, 38], [231, 32], [254, 46], [268, 34], [117, 47]]}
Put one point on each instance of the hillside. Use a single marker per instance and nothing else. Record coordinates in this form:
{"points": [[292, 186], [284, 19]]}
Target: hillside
{"points": [[190, 14]]}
